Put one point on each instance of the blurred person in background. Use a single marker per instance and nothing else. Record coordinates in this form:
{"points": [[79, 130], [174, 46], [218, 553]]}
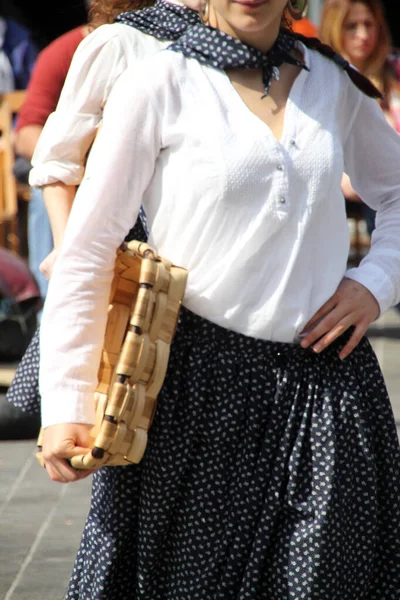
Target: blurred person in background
{"points": [[6, 74], [60, 155], [21, 51], [43, 93], [358, 30]]}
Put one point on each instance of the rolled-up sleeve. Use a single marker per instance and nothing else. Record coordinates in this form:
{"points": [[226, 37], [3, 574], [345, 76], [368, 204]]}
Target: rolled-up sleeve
{"points": [[107, 203], [372, 160], [60, 154]]}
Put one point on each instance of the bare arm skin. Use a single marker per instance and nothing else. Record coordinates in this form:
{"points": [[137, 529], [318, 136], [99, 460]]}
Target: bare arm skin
{"points": [[58, 199]]}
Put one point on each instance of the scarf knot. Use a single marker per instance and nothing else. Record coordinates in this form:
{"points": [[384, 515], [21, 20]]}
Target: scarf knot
{"points": [[218, 49]]}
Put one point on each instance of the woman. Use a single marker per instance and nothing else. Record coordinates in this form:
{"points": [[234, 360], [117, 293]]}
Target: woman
{"points": [[60, 154], [357, 29], [273, 463]]}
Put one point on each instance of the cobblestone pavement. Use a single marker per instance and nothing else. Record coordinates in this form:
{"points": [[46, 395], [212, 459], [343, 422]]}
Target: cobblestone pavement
{"points": [[41, 522]]}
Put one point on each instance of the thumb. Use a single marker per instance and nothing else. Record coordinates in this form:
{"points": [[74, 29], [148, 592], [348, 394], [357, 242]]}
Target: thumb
{"points": [[70, 448], [76, 450]]}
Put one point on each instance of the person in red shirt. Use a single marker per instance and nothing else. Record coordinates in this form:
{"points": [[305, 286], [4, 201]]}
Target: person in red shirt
{"points": [[43, 92]]}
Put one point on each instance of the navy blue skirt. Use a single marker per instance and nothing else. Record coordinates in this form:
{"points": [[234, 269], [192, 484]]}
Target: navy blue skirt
{"points": [[271, 473]]}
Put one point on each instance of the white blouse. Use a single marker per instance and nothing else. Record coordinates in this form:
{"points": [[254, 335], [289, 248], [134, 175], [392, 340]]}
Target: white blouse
{"points": [[260, 224], [98, 62]]}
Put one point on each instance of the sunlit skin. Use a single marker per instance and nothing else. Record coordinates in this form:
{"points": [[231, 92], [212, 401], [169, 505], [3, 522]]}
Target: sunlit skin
{"points": [[360, 34]]}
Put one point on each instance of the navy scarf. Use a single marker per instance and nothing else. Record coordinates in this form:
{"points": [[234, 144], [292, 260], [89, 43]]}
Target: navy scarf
{"points": [[213, 47], [164, 20]]}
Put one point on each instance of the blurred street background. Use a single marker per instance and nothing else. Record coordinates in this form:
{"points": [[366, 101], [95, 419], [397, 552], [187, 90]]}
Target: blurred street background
{"points": [[41, 521]]}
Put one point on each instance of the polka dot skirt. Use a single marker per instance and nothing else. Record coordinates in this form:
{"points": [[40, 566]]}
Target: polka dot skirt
{"points": [[271, 473], [24, 389]]}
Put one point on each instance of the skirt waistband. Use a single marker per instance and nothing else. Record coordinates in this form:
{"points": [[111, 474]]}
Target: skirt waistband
{"points": [[193, 326]]}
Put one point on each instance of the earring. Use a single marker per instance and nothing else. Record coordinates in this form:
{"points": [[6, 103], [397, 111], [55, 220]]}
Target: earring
{"points": [[204, 12], [296, 8]]}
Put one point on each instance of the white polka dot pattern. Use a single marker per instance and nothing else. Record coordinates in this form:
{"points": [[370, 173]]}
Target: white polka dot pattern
{"points": [[163, 20], [271, 473], [24, 389]]}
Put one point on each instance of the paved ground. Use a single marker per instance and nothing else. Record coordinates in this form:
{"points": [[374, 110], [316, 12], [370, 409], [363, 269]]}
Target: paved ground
{"points": [[41, 522]]}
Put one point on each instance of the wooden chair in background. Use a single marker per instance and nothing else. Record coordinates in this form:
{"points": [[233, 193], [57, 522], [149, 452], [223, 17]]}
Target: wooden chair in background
{"points": [[10, 190]]}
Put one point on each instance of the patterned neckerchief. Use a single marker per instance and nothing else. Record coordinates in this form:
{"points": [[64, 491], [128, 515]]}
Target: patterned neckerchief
{"points": [[164, 20], [213, 47]]}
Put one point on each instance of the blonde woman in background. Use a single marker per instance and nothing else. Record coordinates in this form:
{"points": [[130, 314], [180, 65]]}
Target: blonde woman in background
{"points": [[358, 30]]}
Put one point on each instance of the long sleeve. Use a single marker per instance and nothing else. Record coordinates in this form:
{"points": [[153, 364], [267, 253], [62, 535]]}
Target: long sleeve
{"points": [[106, 205], [372, 160], [99, 61]]}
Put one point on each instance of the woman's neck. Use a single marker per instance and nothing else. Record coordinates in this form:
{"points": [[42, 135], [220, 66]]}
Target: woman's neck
{"points": [[263, 40]]}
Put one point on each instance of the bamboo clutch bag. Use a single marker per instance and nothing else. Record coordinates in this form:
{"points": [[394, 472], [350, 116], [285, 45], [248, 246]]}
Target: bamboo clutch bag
{"points": [[145, 300]]}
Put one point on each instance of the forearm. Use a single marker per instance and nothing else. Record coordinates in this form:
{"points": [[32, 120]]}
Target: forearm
{"points": [[26, 139], [58, 198]]}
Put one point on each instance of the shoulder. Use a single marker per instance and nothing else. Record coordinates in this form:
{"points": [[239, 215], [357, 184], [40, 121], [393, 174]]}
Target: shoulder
{"points": [[156, 77], [118, 37], [328, 79], [154, 70], [320, 64]]}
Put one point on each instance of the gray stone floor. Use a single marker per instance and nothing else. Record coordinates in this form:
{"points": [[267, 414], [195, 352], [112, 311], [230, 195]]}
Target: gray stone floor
{"points": [[41, 522], [40, 526]]}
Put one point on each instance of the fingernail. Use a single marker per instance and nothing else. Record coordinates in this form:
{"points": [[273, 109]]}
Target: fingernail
{"points": [[303, 344], [317, 348]]}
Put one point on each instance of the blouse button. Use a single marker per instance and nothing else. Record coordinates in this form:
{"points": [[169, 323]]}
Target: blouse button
{"points": [[280, 167], [282, 200], [292, 142]]}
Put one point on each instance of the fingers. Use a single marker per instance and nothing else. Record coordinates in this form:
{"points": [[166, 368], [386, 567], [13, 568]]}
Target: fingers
{"points": [[351, 305], [327, 330], [354, 340], [61, 443], [59, 468], [61, 471], [320, 314]]}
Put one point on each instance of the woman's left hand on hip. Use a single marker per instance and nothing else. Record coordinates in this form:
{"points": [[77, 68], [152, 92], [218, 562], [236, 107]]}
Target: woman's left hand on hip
{"points": [[351, 305]]}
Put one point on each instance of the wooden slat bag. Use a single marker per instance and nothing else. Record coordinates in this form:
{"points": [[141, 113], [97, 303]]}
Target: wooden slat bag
{"points": [[145, 300]]}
